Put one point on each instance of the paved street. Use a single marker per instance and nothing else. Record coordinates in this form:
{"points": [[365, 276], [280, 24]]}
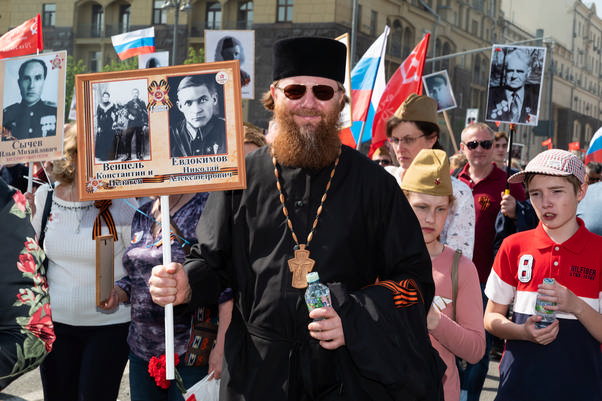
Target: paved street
{"points": [[29, 387]]}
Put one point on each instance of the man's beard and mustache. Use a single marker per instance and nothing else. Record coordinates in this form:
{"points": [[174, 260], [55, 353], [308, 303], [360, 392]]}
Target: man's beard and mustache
{"points": [[313, 147]]}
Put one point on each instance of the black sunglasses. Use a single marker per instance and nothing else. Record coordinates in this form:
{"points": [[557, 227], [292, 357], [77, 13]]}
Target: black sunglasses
{"points": [[383, 162], [472, 145], [297, 91]]}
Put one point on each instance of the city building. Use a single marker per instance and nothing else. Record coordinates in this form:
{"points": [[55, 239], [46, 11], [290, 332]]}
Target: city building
{"points": [[462, 33]]}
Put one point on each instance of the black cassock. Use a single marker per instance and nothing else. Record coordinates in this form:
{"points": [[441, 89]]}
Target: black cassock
{"points": [[367, 231]]}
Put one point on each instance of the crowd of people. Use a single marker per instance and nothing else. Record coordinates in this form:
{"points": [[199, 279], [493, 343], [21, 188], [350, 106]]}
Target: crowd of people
{"points": [[423, 259]]}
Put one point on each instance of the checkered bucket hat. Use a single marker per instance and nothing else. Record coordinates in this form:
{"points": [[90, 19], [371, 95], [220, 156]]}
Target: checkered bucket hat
{"points": [[553, 162]]}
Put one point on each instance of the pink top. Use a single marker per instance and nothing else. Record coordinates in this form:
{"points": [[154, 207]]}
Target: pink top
{"points": [[464, 337]]}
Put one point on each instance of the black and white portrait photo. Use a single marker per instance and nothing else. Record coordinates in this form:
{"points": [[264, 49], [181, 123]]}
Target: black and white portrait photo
{"points": [[234, 45], [438, 87], [30, 98], [121, 130], [515, 82], [153, 60], [196, 122]]}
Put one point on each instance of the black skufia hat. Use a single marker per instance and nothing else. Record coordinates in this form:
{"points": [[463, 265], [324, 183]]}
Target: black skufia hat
{"points": [[309, 55]]}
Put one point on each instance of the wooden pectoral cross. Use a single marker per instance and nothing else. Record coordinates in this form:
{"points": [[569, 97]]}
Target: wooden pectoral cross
{"points": [[300, 265]]}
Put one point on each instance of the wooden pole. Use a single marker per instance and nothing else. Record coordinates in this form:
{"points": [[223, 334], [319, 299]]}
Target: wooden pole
{"points": [[451, 132]]}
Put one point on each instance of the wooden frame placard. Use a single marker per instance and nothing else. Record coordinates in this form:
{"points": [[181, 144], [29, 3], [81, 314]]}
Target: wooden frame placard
{"points": [[105, 267], [160, 131]]}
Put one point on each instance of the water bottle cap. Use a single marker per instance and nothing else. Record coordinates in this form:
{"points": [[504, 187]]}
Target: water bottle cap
{"points": [[312, 277], [548, 280]]}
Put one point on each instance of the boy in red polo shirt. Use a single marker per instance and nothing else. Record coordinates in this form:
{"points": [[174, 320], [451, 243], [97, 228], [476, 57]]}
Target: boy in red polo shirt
{"points": [[562, 361]]}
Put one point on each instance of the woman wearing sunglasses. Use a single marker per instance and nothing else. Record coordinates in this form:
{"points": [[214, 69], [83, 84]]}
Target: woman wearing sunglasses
{"points": [[412, 128]]}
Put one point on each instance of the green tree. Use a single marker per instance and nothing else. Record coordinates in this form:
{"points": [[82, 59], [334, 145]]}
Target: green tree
{"points": [[73, 68], [195, 57]]}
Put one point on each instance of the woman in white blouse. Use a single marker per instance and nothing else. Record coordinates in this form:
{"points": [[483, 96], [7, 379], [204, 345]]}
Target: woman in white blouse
{"points": [[90, 351]]}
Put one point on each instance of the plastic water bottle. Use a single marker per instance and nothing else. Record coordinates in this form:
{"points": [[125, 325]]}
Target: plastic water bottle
{"points": [[317, 294], [547, 316]]}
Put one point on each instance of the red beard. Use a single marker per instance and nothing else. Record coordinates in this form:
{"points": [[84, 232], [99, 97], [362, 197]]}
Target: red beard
{"points": [[308, 146]]}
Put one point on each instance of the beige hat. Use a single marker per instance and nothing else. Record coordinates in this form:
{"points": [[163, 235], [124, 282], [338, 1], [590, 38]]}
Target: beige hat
{"points": [[418, 108], [429, 174]]}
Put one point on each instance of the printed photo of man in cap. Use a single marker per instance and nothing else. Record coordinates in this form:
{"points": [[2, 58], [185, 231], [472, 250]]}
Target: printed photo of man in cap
{"points": [[198, 130], [295, 217], [31, 117]]}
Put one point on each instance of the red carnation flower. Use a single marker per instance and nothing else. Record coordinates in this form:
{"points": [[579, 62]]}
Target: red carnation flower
{"points": [[157, 368]]}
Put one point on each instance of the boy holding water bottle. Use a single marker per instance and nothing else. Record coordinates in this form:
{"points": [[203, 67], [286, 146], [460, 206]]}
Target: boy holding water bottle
{"points": [[547, 363]]}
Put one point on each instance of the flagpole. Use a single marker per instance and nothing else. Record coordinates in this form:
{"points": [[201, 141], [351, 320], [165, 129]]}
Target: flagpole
{"points": [[509, 150], [359, 141], [451, 132]]}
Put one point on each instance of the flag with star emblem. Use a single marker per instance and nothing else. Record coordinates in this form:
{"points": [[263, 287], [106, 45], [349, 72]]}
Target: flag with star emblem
{"points": [[406, 80], [22, 40]]}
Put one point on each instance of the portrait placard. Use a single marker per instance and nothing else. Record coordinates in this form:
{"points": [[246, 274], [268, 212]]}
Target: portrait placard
{"points": [[160, 131], [515, 82], [105, 269], [472, 115], [153, 60], [234, 45], [346, 116], [33, 107], [438, 87]]}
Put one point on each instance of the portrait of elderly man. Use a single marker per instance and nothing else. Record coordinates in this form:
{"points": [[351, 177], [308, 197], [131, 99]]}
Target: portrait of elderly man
{"points": [[32, 117], [230, 48], [200, 131], [516, 99]]}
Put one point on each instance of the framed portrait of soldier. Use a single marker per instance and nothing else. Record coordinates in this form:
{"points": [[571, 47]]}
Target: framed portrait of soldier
{"points": [[33, 107], [160, 131], [438, 87], [234, 45], [515, 83]]}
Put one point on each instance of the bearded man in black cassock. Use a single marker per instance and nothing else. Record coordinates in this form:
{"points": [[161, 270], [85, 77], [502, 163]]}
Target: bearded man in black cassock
{"points": [[352, 217]]}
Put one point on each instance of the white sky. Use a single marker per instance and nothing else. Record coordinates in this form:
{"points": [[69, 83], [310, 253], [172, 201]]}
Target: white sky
{"points": [[598, 4]]}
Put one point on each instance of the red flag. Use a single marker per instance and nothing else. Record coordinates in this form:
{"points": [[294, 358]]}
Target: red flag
{"points": [[548, 143], [574, 146], [406, 80], [23, 40]]}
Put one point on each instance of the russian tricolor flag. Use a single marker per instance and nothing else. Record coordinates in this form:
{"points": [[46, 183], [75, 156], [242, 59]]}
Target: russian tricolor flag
{"points": [[131, 44], [594, 152], [367, 85]]}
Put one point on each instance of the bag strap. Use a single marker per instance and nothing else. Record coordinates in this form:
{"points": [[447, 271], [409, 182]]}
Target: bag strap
{"points": [[179, 236], [45, 215], [454, 278]]}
